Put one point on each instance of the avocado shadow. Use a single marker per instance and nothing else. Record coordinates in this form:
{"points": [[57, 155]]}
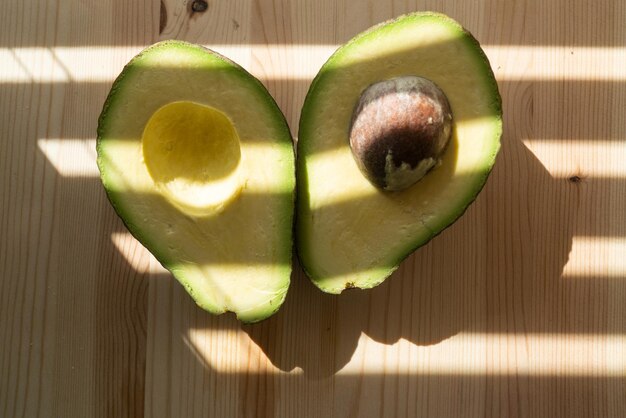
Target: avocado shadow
{"points": [[476, 276]]}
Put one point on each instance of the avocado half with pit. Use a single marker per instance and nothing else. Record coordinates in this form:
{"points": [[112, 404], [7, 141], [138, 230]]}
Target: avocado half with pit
{"points": [[398, 134], [198, 161]]}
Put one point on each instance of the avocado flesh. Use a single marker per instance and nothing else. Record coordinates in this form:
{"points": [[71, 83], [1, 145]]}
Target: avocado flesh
{"points": [[349, 233], [217, 214]]}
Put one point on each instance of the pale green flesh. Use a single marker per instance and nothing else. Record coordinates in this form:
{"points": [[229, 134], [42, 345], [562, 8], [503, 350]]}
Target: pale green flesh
{"points": [[235, 258], [349, 233]]}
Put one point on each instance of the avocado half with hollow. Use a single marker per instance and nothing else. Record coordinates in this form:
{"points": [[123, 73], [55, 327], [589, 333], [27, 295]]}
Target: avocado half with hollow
{"points": [[198, 161], [398, 134]]}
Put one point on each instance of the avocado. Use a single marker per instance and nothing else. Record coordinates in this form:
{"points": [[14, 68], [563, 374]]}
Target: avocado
{"points": [[398, 134], [198, 162]]}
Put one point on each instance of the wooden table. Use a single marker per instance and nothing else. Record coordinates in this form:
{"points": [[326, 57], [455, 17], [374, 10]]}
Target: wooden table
{"points": [[518, 310]]}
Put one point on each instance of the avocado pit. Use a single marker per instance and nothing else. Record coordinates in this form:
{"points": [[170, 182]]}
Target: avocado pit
{"points": [[399, 131]]}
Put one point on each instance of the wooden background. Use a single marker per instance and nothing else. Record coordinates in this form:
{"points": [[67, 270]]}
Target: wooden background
{"points": [[518, 310]]}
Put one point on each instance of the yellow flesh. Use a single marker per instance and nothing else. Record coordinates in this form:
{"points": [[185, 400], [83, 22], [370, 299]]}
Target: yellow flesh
{"points": [[192, 153], [234, 259], [355, 233]]}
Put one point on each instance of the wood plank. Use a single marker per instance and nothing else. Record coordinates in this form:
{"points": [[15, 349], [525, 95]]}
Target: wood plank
{"points": [[516, 310], [73, 310]]}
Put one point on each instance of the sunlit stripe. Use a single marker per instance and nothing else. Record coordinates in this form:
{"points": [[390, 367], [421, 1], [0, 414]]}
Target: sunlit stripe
{"points": [[591, 258], [517, 62], [465, 354], [135, 254], [71, 157], [33, 65], [103, 64], [497, 355], [77, 158], [584, 158], [141, 260], [229, 351], [596, 257], [562, 158], [327, 189]]}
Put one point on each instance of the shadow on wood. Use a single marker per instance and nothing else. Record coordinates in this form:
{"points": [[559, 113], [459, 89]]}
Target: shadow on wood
{"points": [[494, 280]]}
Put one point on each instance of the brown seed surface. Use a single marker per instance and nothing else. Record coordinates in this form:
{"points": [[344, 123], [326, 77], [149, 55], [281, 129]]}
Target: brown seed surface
{"points": [[399, 131]]}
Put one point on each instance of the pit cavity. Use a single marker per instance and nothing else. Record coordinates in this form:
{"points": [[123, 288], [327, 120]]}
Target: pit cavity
{"points": [[192, 152]]}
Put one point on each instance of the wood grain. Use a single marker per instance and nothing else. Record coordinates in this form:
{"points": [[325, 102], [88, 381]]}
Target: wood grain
{"points": [[517, 310]]}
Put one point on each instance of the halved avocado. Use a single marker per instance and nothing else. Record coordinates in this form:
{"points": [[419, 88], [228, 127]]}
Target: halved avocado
{"points": [[351, 232], [198, 161]]}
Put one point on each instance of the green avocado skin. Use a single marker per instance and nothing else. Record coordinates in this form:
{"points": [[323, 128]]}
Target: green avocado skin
{"points": [[251, 283], [366, 255]]}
